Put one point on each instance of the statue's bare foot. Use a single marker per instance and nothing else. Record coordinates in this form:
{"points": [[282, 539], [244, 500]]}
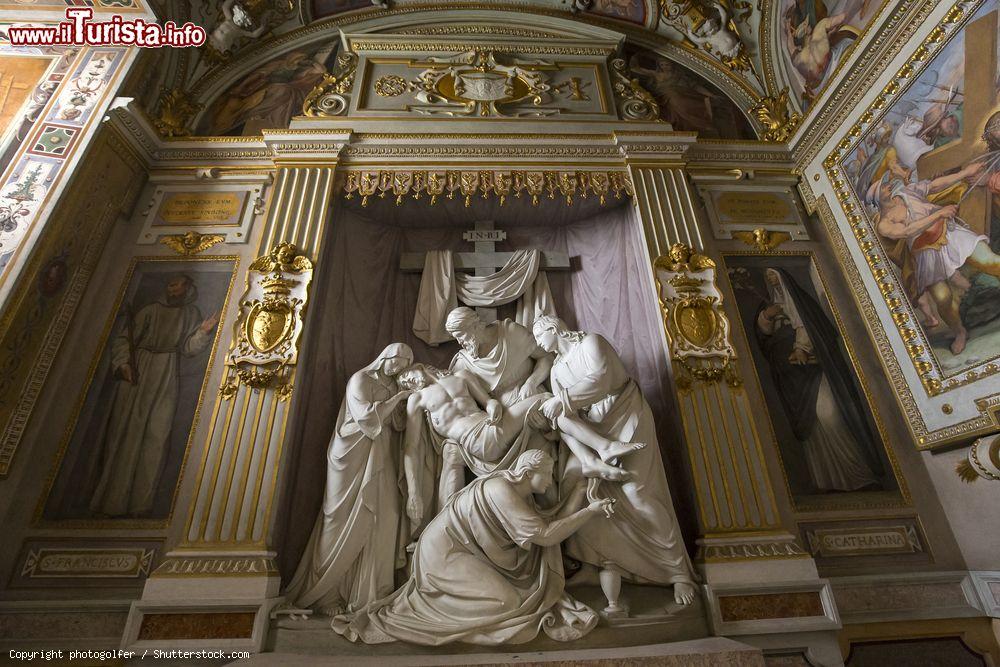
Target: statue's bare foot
{"points": [[333, 610], [683, 593], [605, 471], [620, 449]]}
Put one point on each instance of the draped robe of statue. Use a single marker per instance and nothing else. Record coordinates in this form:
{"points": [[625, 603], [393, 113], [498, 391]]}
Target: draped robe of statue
{"points": [[352, 553], [133, 439], [642, 540], [478, 578], [504, 368]]}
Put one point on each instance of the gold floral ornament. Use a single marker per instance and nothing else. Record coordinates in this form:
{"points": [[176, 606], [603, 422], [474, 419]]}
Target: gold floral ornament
{"points": [[270, 321], [176, 109], [697, 329], [191, 243], [773, 114], [762, 239], [390, 85]]}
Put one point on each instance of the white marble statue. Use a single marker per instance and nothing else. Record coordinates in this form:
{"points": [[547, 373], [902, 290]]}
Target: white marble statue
{"points": [[480, 429], [352, 553], [643, 541], [502, 354], [487, 569]]}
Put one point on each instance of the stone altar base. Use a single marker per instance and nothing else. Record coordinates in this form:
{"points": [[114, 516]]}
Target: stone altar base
{"points": [[657, 632], [706, 652]]}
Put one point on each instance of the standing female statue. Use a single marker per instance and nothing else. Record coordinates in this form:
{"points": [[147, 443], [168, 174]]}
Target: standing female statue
{"points": [[643, 541], [351, 555], [487, 569]]}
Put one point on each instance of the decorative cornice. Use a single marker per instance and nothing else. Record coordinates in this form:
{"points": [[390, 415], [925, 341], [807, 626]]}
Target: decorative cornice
{"points": [[749, 550], [217, 566], [459, 46], [480, 30]]}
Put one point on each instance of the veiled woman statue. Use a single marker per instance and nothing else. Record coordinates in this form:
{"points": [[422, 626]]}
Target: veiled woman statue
{"points": [[642, 541], [351, 555], [487, 569]]}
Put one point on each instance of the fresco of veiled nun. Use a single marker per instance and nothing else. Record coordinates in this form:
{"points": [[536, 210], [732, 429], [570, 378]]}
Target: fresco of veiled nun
{"points": [[269, 96], [811, 387], [688, 102], [817, 400]]}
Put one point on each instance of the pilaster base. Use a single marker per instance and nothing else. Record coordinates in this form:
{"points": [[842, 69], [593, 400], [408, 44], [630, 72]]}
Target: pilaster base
{"points": [[237, 624], [205, 601], [764, 590]]}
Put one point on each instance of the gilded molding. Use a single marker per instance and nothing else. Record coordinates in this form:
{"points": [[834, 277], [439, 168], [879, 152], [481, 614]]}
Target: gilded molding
{"points": [[634, 101], [755, 550], [694, 20], [364, 44], [481, 30], [608, 152], [737, 86]]}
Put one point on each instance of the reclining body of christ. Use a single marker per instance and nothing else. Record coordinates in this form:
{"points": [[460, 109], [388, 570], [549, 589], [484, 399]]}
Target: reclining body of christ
{"points": [[461, 411]]}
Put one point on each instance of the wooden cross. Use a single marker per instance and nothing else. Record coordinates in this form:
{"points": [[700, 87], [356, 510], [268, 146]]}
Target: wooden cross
{"points": [[484, 260], [980, 92]]}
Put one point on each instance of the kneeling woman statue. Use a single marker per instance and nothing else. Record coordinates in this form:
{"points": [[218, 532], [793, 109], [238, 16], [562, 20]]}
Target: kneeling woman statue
{"points": [[487, 569]]}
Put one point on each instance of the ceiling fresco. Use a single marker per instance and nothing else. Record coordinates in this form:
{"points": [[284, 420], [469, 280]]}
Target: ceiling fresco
{"points": [[772, 59]]}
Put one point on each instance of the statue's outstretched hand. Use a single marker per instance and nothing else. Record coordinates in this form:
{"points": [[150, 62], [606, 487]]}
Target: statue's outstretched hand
{"points": [[552, 408], [605, 505], [494, 410], [527, 390]]}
